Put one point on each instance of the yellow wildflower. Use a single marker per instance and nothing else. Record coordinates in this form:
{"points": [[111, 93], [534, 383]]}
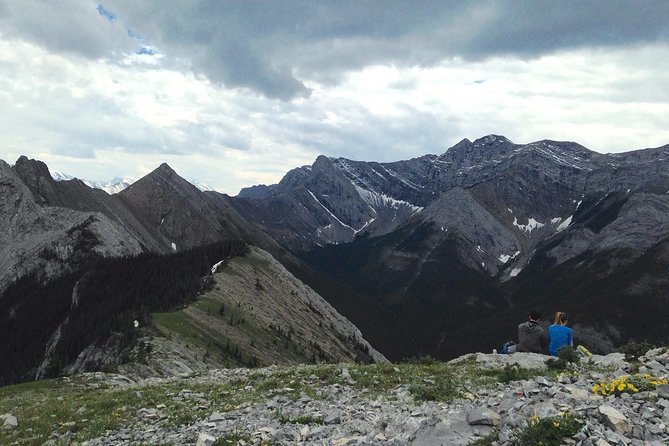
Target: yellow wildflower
{"points": [[534, 419]]}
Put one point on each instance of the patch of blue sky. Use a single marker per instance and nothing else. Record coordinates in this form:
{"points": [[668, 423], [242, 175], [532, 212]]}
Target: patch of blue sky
{"points": [[106, 13], [146, 50], [134, 36]]}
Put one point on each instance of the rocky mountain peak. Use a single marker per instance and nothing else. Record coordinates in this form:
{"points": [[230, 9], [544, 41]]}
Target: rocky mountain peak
{"points": [[163, 177], [30, 169], [294, 177], [322, 163], [467, 154], [35, 174], [165, 168], [4, 168], [491, 139]]}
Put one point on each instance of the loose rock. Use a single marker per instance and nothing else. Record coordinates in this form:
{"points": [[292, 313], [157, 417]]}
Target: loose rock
{"points": [[614, 419], [9, 421], [205, 439]]}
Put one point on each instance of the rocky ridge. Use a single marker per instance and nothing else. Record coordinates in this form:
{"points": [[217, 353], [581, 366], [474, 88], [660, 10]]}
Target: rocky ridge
{"points": [[255, 312], [365, 405]]}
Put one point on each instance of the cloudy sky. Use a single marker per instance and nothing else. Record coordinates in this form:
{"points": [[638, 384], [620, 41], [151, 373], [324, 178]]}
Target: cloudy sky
{"points": [[236, 93]]}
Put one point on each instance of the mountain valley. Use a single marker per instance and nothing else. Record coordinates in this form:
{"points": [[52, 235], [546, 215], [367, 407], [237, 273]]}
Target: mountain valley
{"points": [[439, 255]]}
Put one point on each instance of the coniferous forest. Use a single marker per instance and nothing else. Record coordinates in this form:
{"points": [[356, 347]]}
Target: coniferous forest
{"points": [[103, 298]]}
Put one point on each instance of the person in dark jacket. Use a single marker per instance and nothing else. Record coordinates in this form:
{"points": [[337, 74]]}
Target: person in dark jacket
{"points": [[531, 337]]}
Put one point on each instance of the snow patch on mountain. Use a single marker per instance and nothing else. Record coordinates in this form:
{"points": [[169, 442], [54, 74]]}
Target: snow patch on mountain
{"points": [[531, 225], [373, 170], [330, 212], [202, 186], [514, 272], [558, 155], [564, 224], [401, 179], [504, 258], [378, 200], [215, 267], [60, 176], [355, 231]]}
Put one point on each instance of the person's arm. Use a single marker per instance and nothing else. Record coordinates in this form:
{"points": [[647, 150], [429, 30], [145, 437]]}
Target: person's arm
{"points": [[571, 337]]}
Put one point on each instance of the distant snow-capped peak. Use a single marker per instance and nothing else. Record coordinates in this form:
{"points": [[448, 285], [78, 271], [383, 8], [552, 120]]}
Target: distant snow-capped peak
{"points": [[113, 186], [60, 176], [202, 186]]}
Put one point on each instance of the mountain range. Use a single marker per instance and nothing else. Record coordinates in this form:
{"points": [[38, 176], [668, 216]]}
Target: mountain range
{"points": [[115, 185], [439, 255]]}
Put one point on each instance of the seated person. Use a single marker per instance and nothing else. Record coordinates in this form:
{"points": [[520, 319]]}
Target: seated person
{"points": [[531, 337], [559, 334]]}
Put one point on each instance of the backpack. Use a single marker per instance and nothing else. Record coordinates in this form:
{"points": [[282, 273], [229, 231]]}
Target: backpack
{"points": [[507, 348]]}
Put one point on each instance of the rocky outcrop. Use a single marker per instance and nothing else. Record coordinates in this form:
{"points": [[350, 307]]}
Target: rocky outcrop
{"points": [[338, 405], [45, 239]]}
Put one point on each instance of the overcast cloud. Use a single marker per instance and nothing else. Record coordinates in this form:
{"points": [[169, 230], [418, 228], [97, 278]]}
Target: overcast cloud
{"points": [[236, 93]]}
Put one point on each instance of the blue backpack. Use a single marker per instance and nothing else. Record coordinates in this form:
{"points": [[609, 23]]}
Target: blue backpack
{"points": [[504, 349]]}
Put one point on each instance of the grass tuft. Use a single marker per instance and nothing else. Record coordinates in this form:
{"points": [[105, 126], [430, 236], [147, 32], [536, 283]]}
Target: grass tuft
{"points": [[549, 431]]}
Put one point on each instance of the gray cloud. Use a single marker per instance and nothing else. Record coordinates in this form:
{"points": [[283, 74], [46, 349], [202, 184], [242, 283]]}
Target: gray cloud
{"points": [[276, 48], [67, 26]]}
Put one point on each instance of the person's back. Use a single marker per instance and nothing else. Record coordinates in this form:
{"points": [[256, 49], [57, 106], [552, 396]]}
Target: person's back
{"points": [[531, 337], [559, 334]]}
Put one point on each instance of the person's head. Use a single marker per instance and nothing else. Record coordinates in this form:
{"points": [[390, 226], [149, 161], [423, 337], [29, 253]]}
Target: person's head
{"points": [[535, 315], [560, 318]]}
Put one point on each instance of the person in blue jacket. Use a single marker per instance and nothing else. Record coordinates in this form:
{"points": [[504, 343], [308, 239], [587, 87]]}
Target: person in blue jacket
{"points": [[559, 334]]}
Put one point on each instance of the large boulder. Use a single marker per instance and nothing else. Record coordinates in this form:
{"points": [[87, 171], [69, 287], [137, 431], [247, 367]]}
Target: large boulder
{"points": [[495, 361]]}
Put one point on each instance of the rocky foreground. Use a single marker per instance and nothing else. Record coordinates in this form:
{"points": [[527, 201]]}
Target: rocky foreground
{"points": [[476, 399]]}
